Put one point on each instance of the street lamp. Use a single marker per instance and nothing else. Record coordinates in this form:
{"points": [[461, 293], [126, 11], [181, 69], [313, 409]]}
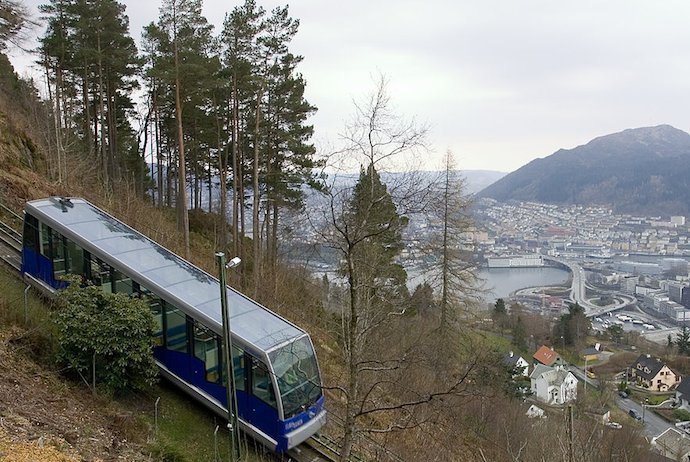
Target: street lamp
{"points": [[230, 390]]}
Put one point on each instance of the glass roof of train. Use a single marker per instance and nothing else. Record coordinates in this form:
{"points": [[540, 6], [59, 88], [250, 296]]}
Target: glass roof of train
{"points": [[156, 266]]}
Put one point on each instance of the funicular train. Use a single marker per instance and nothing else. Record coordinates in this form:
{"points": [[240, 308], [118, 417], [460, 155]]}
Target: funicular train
{"points": [[279, 395]]}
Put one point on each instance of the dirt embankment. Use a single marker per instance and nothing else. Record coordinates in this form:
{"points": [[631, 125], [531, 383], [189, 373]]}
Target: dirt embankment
{"points": [[44, 418]]}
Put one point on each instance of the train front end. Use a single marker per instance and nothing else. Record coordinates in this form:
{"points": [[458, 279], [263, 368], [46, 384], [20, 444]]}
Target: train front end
{"points": [[301, 398]]}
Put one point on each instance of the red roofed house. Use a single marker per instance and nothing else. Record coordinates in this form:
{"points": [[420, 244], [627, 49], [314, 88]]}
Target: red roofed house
{"points": [[548, 357]]}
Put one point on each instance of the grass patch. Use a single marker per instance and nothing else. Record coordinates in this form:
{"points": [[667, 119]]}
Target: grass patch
{"points": [[658, 399], [15, 309], [186, 430]]}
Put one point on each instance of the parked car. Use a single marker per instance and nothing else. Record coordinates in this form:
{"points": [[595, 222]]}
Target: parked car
{"points": [[633, 413], [622, 394], [615, 425]]}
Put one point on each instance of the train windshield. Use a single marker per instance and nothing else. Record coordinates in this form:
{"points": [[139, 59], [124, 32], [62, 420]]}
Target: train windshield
{"points": [[298, 376]]}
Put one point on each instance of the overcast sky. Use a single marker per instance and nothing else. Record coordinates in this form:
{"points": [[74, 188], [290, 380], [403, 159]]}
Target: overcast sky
{"points": [[499, 82]]}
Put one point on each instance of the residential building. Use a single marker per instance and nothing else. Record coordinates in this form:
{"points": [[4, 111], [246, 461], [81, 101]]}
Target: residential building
{"points": [[673, 444], [548, 356], [553, 385], [535, 411], [591, 354], [652, 373], [517, 363], [683, 393]]}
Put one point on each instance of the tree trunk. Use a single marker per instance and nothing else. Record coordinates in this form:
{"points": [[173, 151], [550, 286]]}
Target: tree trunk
{"points": [[235, 169], [256, 233], [183, 223]]}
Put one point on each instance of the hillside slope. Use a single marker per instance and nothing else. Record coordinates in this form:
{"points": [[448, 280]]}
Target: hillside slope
{"points": [[639, 171]]}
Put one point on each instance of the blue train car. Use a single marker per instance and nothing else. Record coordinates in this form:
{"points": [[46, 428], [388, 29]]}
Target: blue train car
{"points": [[279, 394]]}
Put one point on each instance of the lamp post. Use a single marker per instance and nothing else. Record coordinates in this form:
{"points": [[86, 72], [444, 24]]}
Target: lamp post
{"points": [[230, 390]]}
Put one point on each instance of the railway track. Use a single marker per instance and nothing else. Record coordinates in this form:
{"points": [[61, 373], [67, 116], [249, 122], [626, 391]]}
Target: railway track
{"points": [[318, 448], [10, 239]]}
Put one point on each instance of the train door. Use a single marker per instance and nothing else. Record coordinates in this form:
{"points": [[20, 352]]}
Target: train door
{"points": [[263, 409]]}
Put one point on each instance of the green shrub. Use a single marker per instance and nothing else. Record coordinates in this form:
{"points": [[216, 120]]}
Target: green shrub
{"points": [[681, 415], [116, 328]]}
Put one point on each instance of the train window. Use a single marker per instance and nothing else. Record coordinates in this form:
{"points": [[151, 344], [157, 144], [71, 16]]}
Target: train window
{"points": [[262, 386], [156, 306], [45, 240], [57, 244], [176, 329], [75, 258], [100, 274], [123, 284], [206, 344], [239, 365], [31, 233], [298, 375]]}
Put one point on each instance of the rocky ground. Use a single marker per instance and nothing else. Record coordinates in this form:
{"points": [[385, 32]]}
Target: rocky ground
{"points": [[43, 418]]}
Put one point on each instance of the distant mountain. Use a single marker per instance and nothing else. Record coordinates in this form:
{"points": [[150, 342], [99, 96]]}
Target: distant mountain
{"points": [[475, 180], [638, 171]]}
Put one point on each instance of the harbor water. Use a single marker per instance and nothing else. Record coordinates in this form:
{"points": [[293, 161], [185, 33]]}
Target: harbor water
{"points": [[501, 282]]}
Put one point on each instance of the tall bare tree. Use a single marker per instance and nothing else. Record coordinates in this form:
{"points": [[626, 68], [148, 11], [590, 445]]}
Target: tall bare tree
{"points": [[455, 273], [383, 348]]}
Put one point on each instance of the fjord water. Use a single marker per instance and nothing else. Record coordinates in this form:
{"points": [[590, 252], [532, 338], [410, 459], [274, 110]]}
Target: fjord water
{"points": [[501, 282]]}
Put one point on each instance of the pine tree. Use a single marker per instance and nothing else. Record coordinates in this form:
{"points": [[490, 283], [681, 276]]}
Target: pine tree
{"points": [[92, 60], [13, 18], [377, 236], [683, 341], [186, 69]]}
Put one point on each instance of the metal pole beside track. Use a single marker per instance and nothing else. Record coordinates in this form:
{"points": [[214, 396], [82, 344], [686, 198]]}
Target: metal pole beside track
{"points": [[231, 394]]}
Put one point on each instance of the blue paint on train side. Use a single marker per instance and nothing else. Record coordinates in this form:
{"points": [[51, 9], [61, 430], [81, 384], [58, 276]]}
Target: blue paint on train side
{"points": [[40, 267]]}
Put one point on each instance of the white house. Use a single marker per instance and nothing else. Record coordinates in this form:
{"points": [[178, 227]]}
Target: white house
{"points": [[553, 385], [516, 363], [535, 411]]}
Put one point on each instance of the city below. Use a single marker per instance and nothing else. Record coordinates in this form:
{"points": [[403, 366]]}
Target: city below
{"points": [[616, 262]]}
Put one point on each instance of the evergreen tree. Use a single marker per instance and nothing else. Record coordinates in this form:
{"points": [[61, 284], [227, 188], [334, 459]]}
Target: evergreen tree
{"points": [[500, 307], [92, 61], [422, 301], [573, 326], [683, 341], [615, 332], [13, 17], [377, 238], [186, 70], [519, 336]]}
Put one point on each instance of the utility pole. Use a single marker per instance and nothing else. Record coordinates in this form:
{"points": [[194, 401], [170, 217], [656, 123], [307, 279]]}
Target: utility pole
{"points": [[230, 391]]}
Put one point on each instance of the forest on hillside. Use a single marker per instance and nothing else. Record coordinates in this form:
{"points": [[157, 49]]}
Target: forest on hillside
{"points": [[408, 374]]}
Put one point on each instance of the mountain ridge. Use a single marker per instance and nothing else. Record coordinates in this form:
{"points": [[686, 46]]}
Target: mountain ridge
{"points": [[637, 170]]}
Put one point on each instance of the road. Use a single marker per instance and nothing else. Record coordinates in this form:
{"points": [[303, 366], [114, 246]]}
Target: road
{"points": [[653, 424], [578, 291]]}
